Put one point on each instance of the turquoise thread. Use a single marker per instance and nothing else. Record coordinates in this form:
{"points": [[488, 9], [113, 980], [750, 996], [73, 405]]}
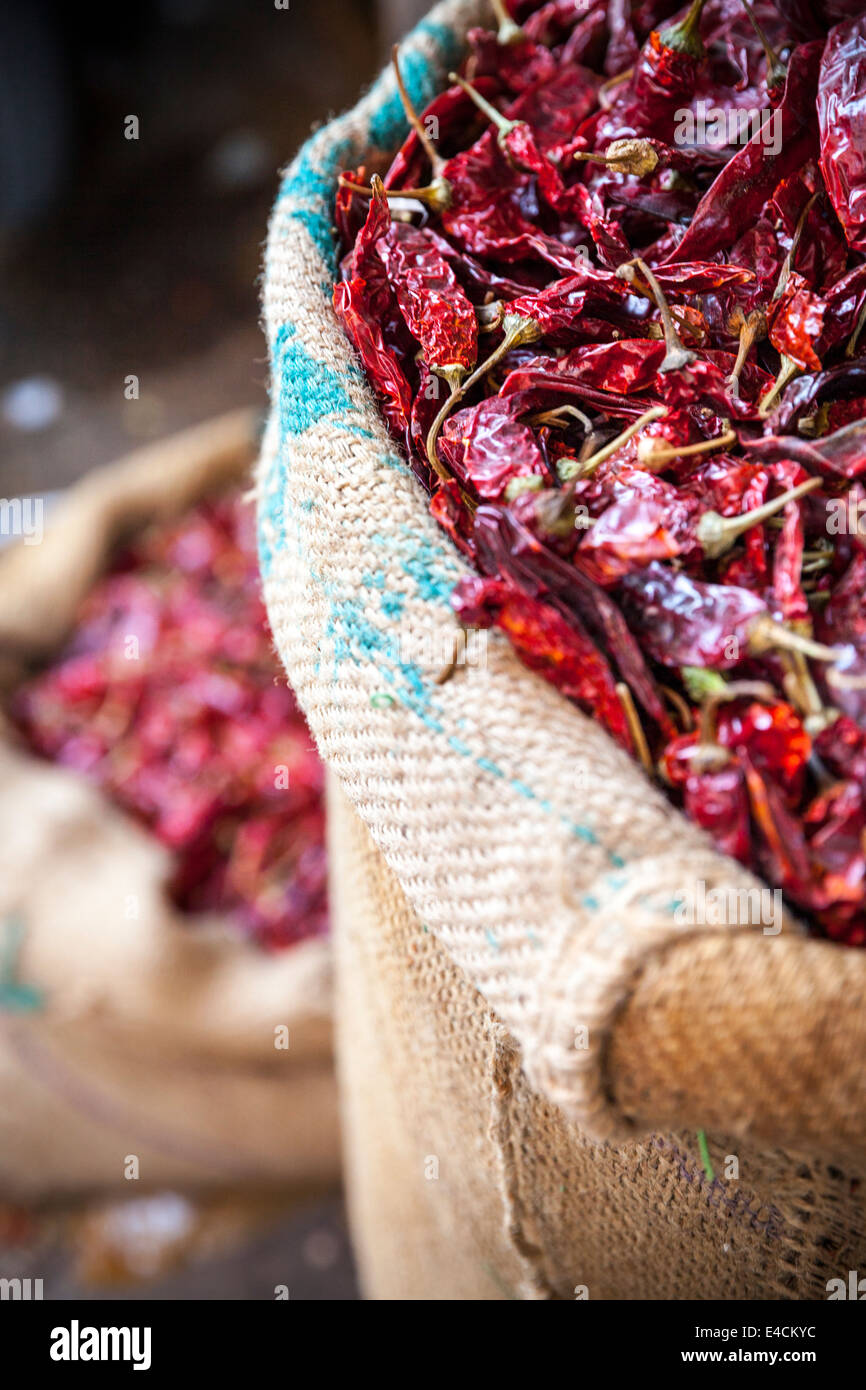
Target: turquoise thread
{"points": [[14, 996], [388, 124], [307, 390]]}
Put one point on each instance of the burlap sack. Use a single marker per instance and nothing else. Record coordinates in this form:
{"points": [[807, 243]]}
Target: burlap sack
{"points": [[520, 997], [127, 1029]]}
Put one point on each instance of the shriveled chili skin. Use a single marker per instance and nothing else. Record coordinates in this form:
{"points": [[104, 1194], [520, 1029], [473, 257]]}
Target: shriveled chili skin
{"points": [[505, 547], [774, 738], [740, 191], [842, 126], [558, 649], [487, 446], [796, 322], [671, 332], [717, 801], [431, 301], [362, 302], [686, 622]]}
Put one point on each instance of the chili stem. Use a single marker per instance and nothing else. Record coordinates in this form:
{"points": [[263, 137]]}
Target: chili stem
{"points": [[437, 194], [502, 123], [803, 693], [517, 330], [685, 36], [436, 161], [751, 326], [716, 533], [676, 355], [767, 633], [840, 680], [654, 458], [787, 264], [625, 156], [610, 84], [588, 466], [509, 31], [776, 69], [702, 681], [635, 727], [554, 417], [787, 371], [708, 750], [851, 346], [680, 706]]}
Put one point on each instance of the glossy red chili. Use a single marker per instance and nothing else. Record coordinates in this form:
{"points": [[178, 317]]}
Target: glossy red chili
{"points": [[656, 442]]}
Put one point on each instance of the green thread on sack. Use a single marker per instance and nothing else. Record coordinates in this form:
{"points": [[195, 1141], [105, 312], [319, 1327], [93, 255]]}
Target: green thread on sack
{"points": [[705, 1156]]}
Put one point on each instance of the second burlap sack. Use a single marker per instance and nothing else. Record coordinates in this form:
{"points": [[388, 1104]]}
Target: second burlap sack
{"points": [[139, 1048]]}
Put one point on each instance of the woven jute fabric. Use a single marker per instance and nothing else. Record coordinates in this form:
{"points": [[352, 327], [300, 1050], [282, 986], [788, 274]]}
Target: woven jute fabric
{"points": [[464, 1182], [555, 879], [126, 1029]]}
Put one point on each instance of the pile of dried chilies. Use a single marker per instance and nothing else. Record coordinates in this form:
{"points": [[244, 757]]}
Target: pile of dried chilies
{"points": [[169, 697], [610, 295]]}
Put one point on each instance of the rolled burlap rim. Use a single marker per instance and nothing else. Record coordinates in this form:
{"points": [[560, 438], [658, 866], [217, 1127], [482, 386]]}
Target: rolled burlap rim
{"points": [[557, 876]]}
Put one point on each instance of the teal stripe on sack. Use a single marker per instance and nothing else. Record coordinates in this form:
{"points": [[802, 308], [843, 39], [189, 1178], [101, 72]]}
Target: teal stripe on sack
{"points": [[388, 124], [307, 194]]}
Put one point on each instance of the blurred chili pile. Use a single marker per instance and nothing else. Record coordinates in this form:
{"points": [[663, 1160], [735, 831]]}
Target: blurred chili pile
{"points": [[169, 697], [610, 296]]}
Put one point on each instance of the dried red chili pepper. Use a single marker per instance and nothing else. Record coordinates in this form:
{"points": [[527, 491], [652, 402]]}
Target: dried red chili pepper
{"points": [[637, 530], [664, 438], [557, 648], [362, 302], [517, 63], [795, 321], [431, 301], [506, 548], [664, 78], [686, 622], [717, 801], [842, 122], [487, 446], [740, 191], [774, 738], [197, 738], [841, 454]]}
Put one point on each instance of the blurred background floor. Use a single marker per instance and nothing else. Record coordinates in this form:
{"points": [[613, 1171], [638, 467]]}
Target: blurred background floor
{"points": [[108, 1251], [140, 258]]}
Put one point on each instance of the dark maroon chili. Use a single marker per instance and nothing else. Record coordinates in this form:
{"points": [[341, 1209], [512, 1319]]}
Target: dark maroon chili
{"points": [[626, 353]]}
